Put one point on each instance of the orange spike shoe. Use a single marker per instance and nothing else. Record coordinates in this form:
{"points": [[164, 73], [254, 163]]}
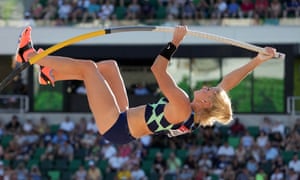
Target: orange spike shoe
{"points": [[25, 45], [46, 76]]}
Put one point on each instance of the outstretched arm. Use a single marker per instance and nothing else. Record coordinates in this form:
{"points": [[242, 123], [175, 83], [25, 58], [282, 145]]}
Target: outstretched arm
{"points": [[166, 83], [235, 77]]}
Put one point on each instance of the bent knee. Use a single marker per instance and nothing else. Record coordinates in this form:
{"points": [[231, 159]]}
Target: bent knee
{"points": [[107, 64], [88, 66]]}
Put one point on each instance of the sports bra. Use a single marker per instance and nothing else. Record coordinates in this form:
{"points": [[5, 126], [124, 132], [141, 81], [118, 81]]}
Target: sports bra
{"points": [[158, 124]]}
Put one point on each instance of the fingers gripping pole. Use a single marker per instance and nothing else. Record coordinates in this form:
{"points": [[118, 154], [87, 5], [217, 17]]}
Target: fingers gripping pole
{"points": [[224, 40]]}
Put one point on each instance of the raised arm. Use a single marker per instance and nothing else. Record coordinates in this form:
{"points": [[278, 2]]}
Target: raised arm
{"points": [[167, 85], [235, 77]]}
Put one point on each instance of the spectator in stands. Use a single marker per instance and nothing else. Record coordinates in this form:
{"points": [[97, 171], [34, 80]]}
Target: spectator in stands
{"points": [[252, 166], [247, 140], [271, 152], [226, 150], [266, 125], [233, 10], [173, 164], [81, 173], [42, 126], [65, 151], [35, 173], [275, 9], [229, 173], [277, 175], [278, 127], [147, 10], [295, 163], [116, 162], [220, 9], [21, 171], [81, 126], [137, 173], [185, 173], [247, 9], [92, 11], [93, 172], [50, 11], [292, 175], [108, 150], [123, 173], [140, 90], [241, 153], [36, 10], [64, 12], [173, 9], [14, 125], [81, 89], [243, 174], [89, 139], [133, 10], [59, 138], [106, 10], [261, 174], [292, 141], [292, 8], [67, 125], [188, 10], [91, 125], [210, 149], [2, 169], [262, 139], [237, 128], [79, 9], [202, 10], [191, 162], [49, 153], [221, 163], [28, 126], [205, 161], [261, 8], [279, 163], [159, 165]]}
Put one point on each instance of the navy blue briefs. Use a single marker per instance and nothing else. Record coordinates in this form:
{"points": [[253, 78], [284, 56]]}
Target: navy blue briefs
{"points": [[119, 133]]}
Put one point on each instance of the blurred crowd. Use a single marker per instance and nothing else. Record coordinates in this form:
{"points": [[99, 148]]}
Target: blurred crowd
{"points": [[75, 150], [77, 11]]}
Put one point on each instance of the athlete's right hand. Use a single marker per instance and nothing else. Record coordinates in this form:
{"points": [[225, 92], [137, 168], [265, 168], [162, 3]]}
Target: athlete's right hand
{"points": [[179, 33]]}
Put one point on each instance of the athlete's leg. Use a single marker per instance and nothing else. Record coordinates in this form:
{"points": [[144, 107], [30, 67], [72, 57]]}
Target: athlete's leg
{"points": [[101, 99], [111, 73]]}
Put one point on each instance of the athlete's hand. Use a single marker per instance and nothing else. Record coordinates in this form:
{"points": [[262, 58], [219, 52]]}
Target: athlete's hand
{"points": [[268, 53], [179, 33]]}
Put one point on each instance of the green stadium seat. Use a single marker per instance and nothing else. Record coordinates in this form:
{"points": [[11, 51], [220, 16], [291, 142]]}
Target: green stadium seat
{"points": [[287, 156], [234, 141], [54, 128], [152, 152], [182, 154], [61, 164], [120, 12], [54, 175], [5, 140], [38, 152], [147, 166], [74, 165], [253, 131]]}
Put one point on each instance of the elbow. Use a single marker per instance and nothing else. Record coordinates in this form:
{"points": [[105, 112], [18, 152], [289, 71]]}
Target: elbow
{"points": [[154, 68]]}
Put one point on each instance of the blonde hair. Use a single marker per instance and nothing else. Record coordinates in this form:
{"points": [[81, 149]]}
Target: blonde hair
{"points": [[220, 111]]}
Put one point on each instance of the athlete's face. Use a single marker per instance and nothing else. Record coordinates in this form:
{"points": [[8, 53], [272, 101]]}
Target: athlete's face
{"points": [[203, 96]]}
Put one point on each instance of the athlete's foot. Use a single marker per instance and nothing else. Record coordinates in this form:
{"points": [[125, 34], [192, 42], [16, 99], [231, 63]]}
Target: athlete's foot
{"points": [[46, 76], [25, 45]]}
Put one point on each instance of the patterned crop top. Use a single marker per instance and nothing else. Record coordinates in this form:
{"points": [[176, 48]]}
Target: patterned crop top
{"points": [[158, 124]]}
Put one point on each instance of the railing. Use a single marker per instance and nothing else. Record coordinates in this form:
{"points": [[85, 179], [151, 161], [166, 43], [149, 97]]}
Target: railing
{"points": [[293, 105], [14, 103]]}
